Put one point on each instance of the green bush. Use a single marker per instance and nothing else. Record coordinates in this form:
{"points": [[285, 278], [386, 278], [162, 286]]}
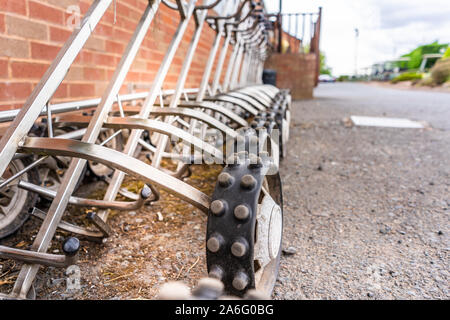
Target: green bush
{"points": [[343, 78], [446, 54], [407, 76], [441, 71], [416, 55]]}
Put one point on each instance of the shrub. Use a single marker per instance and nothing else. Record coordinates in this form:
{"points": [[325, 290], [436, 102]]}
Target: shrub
{"points": [[441, 71], [407, 76], [343, 78], [447, 53], [416, 55]]}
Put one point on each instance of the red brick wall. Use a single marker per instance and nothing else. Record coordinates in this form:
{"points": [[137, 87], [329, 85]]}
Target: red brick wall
{"points": [[33, 31], [295, 71], [294, 43]]}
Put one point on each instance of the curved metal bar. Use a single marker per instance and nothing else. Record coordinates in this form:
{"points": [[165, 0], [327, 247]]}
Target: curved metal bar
{"points": [[172, 6], [205, 105], [194, 114], [260, 91], [235, 15], [32, 257], [254, 102], [91, 235], [76, 201], [217, 108], [240, 103], [209, 6], [119, 161], [164, 128], [150, 125], [256, 94]]}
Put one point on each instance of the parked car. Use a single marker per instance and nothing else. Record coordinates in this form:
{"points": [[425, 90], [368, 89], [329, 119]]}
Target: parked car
{"points": [[326, 78]]}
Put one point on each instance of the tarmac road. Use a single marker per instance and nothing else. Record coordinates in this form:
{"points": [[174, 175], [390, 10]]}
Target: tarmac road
{"points": [[367, 209]]}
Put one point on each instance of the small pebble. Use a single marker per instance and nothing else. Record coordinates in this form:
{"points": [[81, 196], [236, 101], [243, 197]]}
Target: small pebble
{"points": [[289, 251], [393, 273], [385, 230], [132, 213], [370, 294]]}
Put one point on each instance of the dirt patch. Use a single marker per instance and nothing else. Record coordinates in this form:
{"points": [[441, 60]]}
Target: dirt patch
{"points": [[150, 246]]}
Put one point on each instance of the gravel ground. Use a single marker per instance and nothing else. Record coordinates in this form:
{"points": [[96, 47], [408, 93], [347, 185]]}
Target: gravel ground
{"points": [[367, 209]]}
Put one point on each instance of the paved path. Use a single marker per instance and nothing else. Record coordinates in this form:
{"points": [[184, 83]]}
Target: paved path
{"points": [[367, 209]]}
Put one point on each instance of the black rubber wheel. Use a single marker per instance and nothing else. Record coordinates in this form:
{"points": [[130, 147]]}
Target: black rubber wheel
{"points": [[15, 203], [244, 230]]}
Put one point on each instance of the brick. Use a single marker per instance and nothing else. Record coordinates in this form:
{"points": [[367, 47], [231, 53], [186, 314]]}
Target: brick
{"points": [[28, 70], [100, 88], [44, 51], [10, 91], [94, 74], [14, 48], [26, 28], [81, 90], [104, 60], [103, 30], [85, 57], [2, 23], [114, 47], [5, 107], [45, 13], [96, 44], [59, 34], [122, 35], [3, 69], [84, 6], [63, 4], [75, 74], [16, 6], [133, 76], [61, 92]]}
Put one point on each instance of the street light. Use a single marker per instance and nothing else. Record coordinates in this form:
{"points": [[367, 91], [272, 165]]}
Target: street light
{"points": [[356, 51]]}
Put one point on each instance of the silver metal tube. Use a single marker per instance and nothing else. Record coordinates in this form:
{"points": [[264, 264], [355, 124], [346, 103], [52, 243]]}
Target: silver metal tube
{"points": [[227, 80], [49, 83], [57, 208], [220, 63], [149, 102], [175, 99]]}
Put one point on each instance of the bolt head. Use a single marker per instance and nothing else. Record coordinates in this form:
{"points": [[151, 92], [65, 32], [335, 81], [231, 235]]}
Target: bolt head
{"points": [[241, 212], [248, 182], [216, 272], [240, 281], [239, 248], [217, 207], [225, 179], [213, 244]]}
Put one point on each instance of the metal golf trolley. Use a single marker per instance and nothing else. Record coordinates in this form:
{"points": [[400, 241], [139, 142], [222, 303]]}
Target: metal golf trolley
{"points": [[231, 119]]}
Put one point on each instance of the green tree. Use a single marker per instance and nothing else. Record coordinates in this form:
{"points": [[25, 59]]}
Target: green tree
{"points": [[324, 69], [416, 55], [447, 54]]}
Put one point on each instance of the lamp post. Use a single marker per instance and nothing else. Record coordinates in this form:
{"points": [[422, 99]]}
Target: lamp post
{"points": [[356, 51]]}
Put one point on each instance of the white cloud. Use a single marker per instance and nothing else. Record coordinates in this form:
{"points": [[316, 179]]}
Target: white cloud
{"points": [[387, 28]]}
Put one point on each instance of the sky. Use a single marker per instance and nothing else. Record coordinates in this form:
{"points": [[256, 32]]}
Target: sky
{"points": [[387, 28]]}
